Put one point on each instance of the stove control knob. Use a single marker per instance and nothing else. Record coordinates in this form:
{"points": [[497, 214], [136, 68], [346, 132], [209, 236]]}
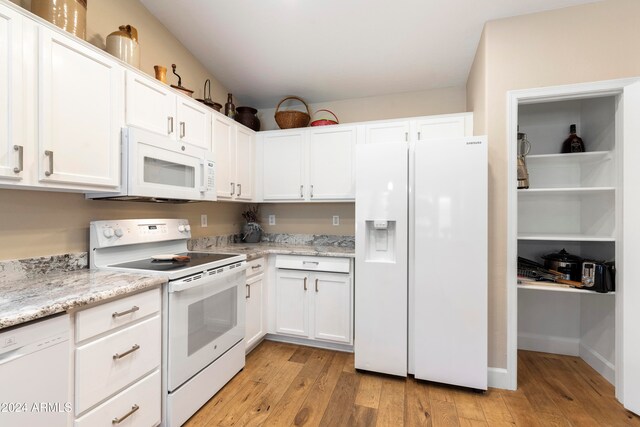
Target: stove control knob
{"points": [[119, 232], [187, 227], [108, 232], [181, 228]]}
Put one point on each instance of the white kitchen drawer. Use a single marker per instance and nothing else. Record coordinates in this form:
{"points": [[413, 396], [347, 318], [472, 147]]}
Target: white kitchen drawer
{"points": [[99, 373], [256, 266], [105, 317], [313, 263], [145, 395]]}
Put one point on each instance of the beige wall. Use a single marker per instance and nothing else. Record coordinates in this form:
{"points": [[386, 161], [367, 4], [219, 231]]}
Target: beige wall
{"points": [[309, 218], [37, 223], [598, 41], [409, 104], [157, 45]]}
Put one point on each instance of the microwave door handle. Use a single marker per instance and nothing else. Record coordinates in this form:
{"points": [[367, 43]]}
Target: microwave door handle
{"points": [[203, 178]]}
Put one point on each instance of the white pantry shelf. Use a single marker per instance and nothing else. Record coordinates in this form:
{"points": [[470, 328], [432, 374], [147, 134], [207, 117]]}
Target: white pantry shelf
{"points": [[555, 287], [590, 156], [565, 191], [565, 237]]}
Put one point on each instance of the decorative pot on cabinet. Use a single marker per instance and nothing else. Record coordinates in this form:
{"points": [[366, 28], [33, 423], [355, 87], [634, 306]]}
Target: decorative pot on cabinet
{"points": [[247, 116], [70, 15], [123, 44]]}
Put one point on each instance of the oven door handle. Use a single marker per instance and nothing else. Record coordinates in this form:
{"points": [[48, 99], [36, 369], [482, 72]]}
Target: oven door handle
{"points": [[182, 285]]}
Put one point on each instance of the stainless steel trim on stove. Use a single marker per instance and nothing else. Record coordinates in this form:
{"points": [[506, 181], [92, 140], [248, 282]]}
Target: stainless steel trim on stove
{"points": [[192, 281]]}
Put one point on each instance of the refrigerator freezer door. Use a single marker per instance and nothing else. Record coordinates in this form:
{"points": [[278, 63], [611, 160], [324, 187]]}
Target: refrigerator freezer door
{"points": [[381, 258], [450, 262]]}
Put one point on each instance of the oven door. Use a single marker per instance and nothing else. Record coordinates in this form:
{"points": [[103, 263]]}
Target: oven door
{"points": [[206, 318], [163, 168]]}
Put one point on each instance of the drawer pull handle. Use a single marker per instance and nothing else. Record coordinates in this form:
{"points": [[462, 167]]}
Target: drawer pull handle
{"points": [[126, 353], [311, 262], [117, 420], [123, 313], [253, 267]]}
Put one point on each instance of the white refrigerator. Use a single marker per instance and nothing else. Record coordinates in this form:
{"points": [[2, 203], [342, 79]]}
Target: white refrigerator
{"points": [[421, 260]]}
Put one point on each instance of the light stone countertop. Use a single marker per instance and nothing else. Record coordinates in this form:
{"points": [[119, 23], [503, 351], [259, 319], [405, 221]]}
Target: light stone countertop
{"points": [[256, 250], [22, 299]]}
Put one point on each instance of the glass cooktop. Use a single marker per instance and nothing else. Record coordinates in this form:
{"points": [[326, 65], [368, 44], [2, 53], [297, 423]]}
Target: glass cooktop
{"points": [[197, 258]]}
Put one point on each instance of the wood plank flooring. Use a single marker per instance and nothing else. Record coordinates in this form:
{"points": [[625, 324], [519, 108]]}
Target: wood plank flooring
{"points": [[290, 385]]}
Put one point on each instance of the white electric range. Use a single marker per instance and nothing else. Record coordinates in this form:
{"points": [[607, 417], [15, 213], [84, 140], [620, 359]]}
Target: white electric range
{"points": [[203, 307]]}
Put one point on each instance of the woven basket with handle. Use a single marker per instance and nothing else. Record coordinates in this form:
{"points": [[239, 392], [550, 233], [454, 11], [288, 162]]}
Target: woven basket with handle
{"points": [[290, 119], [325, 122]]}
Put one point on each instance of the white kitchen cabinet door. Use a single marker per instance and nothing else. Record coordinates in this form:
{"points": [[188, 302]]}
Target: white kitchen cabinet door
{"points": [[332, 163], [449, 126], [11, 144], [387, 132], [255, 328], [283, 166], [194, 123], [224, 152], [150, 105], [292, 303], [245, 148], [332, 307], [80, 114]]}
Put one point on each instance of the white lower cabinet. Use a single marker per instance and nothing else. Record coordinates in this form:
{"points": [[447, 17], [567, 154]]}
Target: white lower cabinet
{"points": [[254, 311], [314, 305], [117, 362]]}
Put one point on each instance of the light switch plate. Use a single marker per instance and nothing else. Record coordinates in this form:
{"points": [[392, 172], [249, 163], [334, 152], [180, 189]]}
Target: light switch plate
{"points": [[336, 220], [272, 220], [203, 221]]}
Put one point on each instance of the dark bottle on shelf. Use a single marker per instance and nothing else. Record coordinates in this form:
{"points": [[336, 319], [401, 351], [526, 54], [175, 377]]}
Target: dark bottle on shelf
{"points": [[229, 108], [573, 144]]}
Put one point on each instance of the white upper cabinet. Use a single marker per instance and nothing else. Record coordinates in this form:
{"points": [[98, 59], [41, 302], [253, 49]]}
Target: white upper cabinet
{"points": [[312, 164], [150, 105], [194, 123], [234, 148], [387, 132], [245, 149], [80, 114], [153, 106], [332, 163], [446, 126], [11, 144], [283, 165]]}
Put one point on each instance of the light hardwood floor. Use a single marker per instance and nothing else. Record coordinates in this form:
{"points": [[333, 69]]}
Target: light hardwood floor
{"points": [[289, 385]]}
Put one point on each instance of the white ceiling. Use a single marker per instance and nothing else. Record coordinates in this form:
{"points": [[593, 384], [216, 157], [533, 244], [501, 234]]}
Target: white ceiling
{"points": [[327, 50]]}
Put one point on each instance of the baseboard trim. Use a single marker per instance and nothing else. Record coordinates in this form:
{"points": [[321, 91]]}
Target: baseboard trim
{"points": [[598, 362], [549, 344], [309, 343], [499, 378]]}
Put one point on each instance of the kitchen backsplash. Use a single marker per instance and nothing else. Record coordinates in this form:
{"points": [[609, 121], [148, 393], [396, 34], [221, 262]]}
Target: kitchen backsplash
{"points": [[205, 243]]}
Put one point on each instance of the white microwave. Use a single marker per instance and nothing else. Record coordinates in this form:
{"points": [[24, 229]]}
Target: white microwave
{"points": [[158, 169]]}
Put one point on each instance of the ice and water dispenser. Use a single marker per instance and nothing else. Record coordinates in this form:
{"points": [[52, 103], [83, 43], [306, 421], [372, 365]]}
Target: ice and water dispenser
{"points": [[380, 241]]}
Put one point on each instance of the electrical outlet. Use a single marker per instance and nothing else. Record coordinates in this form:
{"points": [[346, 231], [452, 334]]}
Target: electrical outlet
{"points": [[272, 220], [203, 221], [336, 220]]}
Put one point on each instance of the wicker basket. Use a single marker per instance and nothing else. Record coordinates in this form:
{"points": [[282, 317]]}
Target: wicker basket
{"points": [[292, 119], [325, 122]]}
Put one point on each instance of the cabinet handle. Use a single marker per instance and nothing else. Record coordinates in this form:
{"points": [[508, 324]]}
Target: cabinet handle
{"points": [[248, 292], [117, 420], [418, 136], [316, 285], [183, 129], [126, 353], [302, 191], [315, 263], [233, 189], [50, 155], [239, 190], [305, 283], [170, 125], [122, 313], [311, 191], [20, 150], [406, 136]]}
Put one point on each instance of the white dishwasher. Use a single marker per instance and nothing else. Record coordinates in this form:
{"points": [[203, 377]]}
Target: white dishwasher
{"points": [[34, 373]]}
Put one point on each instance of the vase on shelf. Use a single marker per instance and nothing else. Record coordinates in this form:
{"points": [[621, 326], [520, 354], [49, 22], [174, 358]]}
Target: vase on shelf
{"points": [[247, 116]]}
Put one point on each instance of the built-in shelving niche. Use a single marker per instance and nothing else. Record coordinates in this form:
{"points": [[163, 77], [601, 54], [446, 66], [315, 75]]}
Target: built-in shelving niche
{"points": [[571, 205]]}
